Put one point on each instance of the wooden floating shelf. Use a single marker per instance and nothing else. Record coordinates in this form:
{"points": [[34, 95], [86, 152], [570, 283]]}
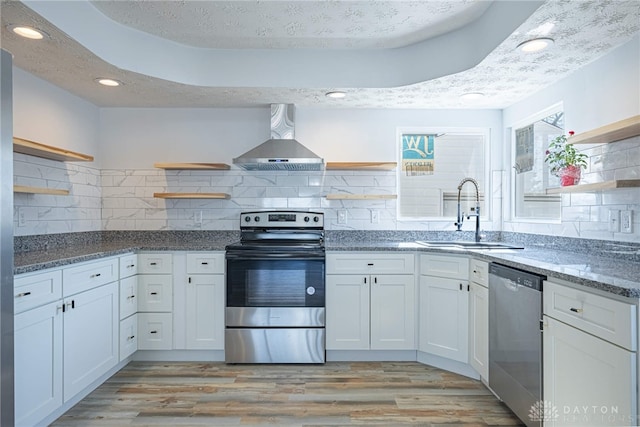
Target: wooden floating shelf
{"points": [[613, 132], [361, 196], [192, 166], [191, 196], [598, 186], [24, 146], [39, 190], [379, 166]]}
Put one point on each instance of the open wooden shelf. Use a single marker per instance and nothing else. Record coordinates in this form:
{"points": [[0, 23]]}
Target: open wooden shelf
{"points": [[192, 166], [627, 128], [39, 190], [377, 166], [597, 186], [191, 196], [24, 146], [361, 196]]}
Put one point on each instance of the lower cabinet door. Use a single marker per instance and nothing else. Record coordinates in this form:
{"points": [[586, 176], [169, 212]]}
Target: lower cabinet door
{"points": [[38, 363], [392, 312], [128, 336], [348, 306], [205, 312], [155, 331], [91, 328], [587, 381]]}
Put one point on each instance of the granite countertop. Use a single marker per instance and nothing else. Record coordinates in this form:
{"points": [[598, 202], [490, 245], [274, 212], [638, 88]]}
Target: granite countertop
{"points": [[606, 273]]}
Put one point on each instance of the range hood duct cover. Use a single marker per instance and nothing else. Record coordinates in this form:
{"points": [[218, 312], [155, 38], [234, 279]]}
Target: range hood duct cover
{"points": [[282, 151]]}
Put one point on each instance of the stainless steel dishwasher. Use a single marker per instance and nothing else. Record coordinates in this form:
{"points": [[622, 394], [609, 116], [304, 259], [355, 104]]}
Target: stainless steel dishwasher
{"points": [[515, 340]]}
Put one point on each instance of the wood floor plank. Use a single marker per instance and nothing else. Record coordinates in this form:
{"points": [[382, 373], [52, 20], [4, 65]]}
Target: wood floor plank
{"points": [[337, 393]]}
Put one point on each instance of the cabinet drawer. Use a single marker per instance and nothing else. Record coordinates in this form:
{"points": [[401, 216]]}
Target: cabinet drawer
{"points": [[154, 264], [370, 263], [479, 272], [128, 265], [606, 318], [89, 276], [155, 331], [128, 336], [128, 296], [448, 266], [205, 263], [155, 292], [33, 290]]}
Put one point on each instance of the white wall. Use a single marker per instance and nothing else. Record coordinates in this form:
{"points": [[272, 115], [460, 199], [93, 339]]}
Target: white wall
{"points": [[49, 115], [605, 91]]}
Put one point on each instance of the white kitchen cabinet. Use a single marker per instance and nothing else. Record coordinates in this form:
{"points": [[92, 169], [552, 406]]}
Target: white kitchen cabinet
{"points": [[372, 307], [444, 306], [128, 336], [155, 293], [90, 342], [590, 358], [89, 275], [205, 301], [479, 317], [128, 265], [38, 363], [128, 296], [155, 331], [586, 378], [33, 290], [154, 263]]}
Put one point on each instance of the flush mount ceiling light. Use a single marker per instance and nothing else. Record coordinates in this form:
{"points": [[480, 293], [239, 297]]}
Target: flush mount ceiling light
{"points": [[336, 94], [109, 82], [28, 32], [535, 45], [472, 96]]}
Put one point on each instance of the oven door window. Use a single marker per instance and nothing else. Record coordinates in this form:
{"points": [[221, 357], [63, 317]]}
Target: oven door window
{"points": [[275, 283]]}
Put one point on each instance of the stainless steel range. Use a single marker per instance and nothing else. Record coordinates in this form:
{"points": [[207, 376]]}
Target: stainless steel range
{"points": [[275, 309]]}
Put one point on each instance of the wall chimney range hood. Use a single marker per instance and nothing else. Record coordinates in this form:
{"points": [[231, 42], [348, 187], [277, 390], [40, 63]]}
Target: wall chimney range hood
{"points": [[281, 151]]}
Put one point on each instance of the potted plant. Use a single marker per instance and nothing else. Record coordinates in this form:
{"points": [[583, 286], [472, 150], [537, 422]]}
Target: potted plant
{"points": [[565, 161]]}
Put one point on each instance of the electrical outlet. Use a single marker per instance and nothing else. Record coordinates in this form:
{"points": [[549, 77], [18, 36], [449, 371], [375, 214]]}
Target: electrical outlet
{"points": [[342, 216], [375, 216], [197, 218], [22, 221], [626, 219], [614, 220]]}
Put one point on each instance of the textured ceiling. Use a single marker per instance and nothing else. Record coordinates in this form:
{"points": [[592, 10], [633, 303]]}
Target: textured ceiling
{"points": [[583, 30]]}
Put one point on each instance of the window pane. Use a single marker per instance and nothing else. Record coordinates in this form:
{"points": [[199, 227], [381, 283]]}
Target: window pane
{"points": [[423, 193], [532, 175]]}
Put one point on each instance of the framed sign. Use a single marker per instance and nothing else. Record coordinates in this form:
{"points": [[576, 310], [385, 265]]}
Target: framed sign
{"points": [[417, 154]]}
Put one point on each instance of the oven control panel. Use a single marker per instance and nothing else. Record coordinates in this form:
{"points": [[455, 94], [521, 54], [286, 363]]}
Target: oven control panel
{"points": [[282, 219]]}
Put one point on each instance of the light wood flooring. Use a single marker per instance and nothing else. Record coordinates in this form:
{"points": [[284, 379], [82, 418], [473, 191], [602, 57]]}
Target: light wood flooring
{"points": [[337, 393]]}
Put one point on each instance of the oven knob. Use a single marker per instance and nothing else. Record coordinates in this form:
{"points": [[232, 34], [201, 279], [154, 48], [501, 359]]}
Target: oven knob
{"points": [[316, 219], [256, 219], [306, 219], [247, 218], [311, 290]]}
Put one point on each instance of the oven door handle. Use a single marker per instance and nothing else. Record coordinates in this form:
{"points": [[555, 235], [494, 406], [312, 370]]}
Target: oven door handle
{"points": [[274, 255]]}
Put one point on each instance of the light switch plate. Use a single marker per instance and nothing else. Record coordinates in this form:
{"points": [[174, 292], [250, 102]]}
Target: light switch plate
{"points": [[614, 220], [626, 221], [342, 216]]}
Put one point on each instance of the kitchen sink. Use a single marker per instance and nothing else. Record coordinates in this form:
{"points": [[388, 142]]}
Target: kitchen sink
{"points": [[461, 244]]}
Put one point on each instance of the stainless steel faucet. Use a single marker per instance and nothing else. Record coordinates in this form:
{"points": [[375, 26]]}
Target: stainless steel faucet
{"points": [[458, 224]]}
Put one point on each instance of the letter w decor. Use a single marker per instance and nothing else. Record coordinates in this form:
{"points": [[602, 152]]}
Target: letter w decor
{"points": [[417, 154]]}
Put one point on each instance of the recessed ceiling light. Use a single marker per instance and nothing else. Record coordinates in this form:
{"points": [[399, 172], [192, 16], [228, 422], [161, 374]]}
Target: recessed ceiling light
{"points": [[535, 45], [472, 96], [28, 32], [336, 94], [109, 82]]}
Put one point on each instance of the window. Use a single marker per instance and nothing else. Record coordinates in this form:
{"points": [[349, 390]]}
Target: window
{"points": [[432, 164], [531, 175]]}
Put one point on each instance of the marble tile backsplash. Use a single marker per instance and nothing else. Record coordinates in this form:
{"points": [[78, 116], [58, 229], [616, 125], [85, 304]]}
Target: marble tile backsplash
{"points": [[117, 199], [35, 214]]}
